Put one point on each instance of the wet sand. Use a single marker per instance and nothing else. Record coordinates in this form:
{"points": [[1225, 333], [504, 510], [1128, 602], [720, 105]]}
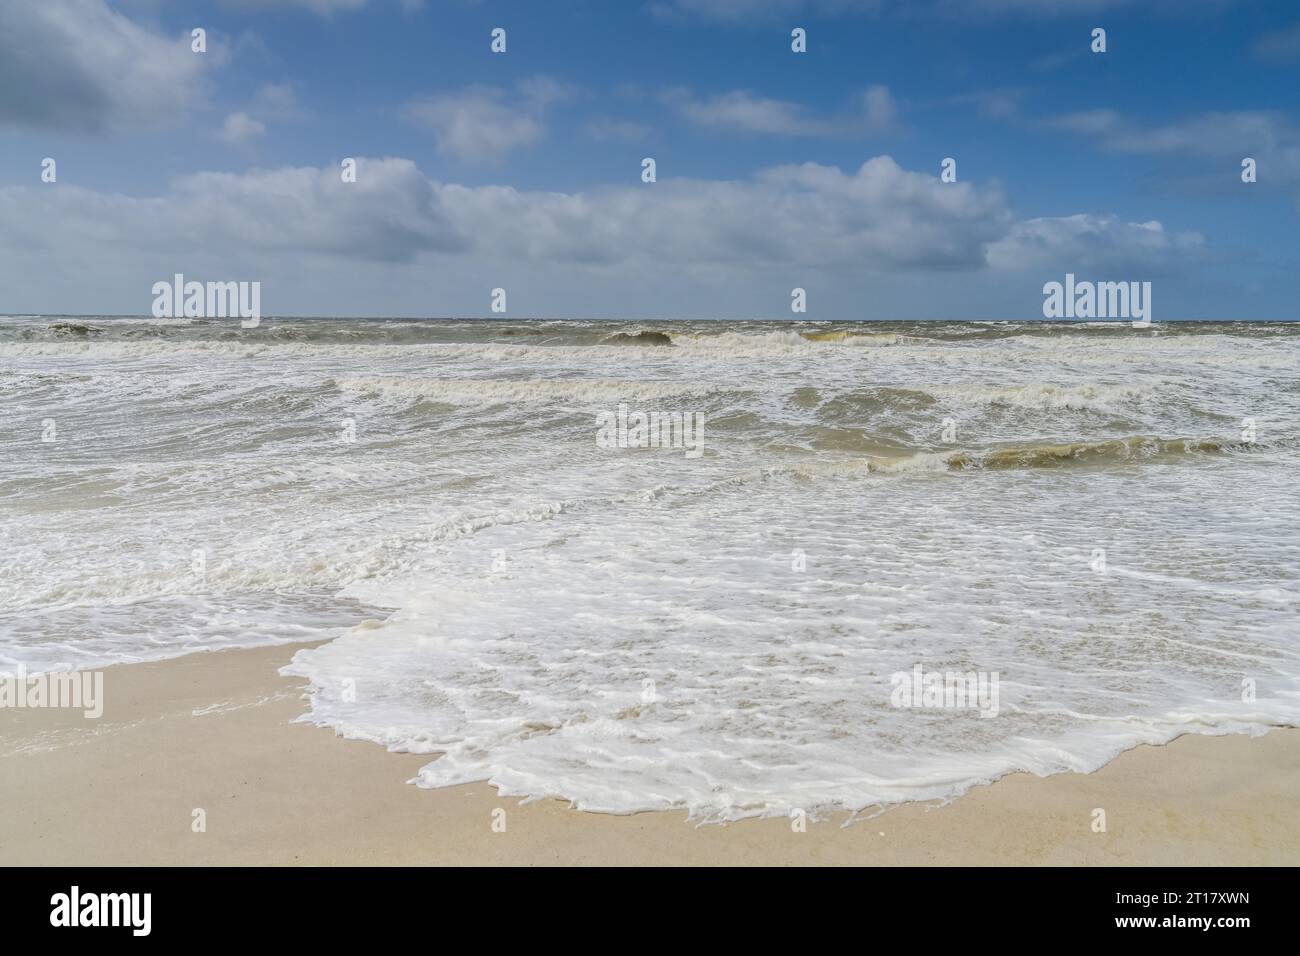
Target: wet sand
{"points": [[215, 732]]}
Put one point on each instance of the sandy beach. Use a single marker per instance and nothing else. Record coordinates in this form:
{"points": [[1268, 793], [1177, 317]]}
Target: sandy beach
{"points": [[215, 732]]}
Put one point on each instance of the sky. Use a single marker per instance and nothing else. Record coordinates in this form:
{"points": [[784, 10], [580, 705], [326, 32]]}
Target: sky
{"points": [[774, 169]]}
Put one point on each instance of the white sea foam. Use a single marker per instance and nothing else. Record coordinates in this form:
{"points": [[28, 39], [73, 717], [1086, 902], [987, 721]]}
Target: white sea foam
{"points": [[783, 342], [132, 320], [535, 678], [1089, 397], [497, 391]]}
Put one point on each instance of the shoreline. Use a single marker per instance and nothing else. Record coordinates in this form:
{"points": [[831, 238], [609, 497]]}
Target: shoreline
{"points": [[211, 736]]}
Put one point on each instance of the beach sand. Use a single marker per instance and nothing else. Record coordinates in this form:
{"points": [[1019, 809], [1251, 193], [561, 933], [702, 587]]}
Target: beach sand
{"points": [[215, 731]]}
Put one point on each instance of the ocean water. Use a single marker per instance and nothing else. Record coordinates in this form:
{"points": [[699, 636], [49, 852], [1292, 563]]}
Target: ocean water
{"points": [[1106, 518]]}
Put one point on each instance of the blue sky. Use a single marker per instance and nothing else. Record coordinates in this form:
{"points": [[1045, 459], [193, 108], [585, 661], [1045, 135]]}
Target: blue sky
{"points": [[775, 169]]}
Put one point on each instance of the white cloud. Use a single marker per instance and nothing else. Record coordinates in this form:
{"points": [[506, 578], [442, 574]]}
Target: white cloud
{"points": [[740, 11], [874, 110], [878, 241], [1042, 7], [604, 129], [1003, 103], [275, 100], [324, 8], [390, 214], [486, 123], [327, 8], [746, 111], [1271, 138], [878, 107], [1090, 242], [79, 65], [475, 124], [1211, 134], [764, 11], [809, 218], [240, 127], [1283, 44], [1087, 122]]}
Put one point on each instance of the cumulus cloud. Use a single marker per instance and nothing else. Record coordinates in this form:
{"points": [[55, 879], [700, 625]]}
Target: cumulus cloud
{"points": [[324, 8], [605, 129], [739, 11], [390, 214], [275, 101], [1205, 134], [240, 127], [1090, 242], [273, 218], [743, 110], [1003, 103], [877, 218], [878, 107], [1283, 44], [486, 123], [78, 65], [1043, 7], [874, 110], [1271, 138], [878, 240], [742, 11]]}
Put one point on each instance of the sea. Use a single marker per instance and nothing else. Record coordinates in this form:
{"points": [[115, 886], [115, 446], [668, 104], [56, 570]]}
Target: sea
{"points": [[732, 568]]}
